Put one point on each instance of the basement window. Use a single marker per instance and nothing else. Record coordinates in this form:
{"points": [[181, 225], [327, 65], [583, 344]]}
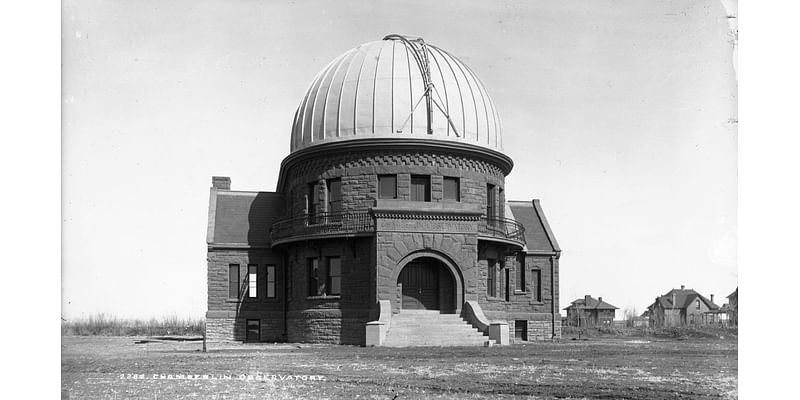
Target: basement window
{"points": [[521, 329], [253, 330]]}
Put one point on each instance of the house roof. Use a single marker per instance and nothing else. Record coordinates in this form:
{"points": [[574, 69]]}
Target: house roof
{"points": [[590, 303], [539, 237], [683, 299], [734, 294], [242, 218]]}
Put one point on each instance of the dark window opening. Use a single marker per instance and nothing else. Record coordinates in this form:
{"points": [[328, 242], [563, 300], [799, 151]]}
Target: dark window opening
{"points": [[253, 330], [536, 283], [452, 189], [508, 284], [521, 329], [334, 196], [521, 274], [233, 281], [313, 277], [491, 277], [334, 286], [271, 281], [314, 203], [387, 186], [420, 188], [491, 201]]}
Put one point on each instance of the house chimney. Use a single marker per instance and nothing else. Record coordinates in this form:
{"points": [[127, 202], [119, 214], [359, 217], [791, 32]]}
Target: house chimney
{"points": [[682, 287], [586, 299], [600, 298], [712, 298], [221, 182], [674, 299]]}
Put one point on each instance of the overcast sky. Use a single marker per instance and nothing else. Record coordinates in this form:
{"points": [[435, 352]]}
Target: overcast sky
{"points": [[619, 115]]}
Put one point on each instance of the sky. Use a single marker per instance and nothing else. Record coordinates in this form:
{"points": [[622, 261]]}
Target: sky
{"points": [[621, 116]]}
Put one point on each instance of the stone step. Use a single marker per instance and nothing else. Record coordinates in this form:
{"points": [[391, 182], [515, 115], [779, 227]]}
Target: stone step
{"points": [[431, 328]]}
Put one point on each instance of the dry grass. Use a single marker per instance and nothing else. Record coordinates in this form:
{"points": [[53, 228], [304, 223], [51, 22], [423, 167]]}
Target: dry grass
{"points": [[110, 325]]}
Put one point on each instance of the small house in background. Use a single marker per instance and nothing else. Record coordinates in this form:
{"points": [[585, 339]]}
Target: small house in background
{"points": [[681, 307], [590, 312], [733, 308]]}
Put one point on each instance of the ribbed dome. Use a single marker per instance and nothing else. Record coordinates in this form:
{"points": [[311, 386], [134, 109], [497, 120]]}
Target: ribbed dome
{"points": [[371, 90]]}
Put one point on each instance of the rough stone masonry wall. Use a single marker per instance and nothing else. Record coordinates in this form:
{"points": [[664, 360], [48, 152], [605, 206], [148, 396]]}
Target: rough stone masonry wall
{"points": [[327, 318], [359, 174], [225, 319]]}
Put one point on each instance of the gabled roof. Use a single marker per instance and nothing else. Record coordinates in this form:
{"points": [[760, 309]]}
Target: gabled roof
{"points": [[242, 219], [590, 303], [683, 299], [734, 294], [538, 236]]}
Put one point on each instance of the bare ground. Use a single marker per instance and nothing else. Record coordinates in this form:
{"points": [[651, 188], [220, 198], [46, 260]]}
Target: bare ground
{"points": [[600, 368]]}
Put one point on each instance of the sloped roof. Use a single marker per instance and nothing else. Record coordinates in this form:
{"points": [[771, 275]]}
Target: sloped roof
{"points": [[683, 299], [734, 294], [538, 236], [590, 303], [242, 218]]}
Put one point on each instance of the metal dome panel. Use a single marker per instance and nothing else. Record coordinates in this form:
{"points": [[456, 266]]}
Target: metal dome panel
{"points": [[378, 89]]}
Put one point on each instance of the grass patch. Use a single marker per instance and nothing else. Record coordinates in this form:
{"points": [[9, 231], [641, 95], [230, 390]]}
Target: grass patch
{"points": [[109, 325]]}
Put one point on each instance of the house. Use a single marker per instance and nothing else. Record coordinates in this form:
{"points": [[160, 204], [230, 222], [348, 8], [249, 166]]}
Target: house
{"points": [[389, 225], [590, 312], [681, 307], [733, 308]]}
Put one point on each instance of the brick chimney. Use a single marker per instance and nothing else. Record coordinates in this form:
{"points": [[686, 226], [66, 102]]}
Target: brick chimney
{"points": [[712, 298], [586, 299], [221, 182], [674, 299], [682, 286], [600, 298]]}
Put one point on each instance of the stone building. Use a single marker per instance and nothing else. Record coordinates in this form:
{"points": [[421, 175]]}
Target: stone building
{"points": [[389, 224], [682, 307], [590, 312]]}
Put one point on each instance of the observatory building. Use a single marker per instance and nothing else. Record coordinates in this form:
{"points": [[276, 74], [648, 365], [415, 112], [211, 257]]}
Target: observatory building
{"points": [[389, 224]]}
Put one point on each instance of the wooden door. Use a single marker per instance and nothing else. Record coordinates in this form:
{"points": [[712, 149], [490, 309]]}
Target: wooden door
{"points": [[420, 282]]}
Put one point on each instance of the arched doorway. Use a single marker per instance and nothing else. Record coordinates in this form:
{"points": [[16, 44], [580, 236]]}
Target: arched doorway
{"points": [[427, 284]]}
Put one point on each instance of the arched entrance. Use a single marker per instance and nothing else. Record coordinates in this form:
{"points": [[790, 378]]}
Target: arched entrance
{"points": [[427, 284]]}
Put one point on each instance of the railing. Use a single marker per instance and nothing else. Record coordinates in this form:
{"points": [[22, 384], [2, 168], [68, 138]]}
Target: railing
{"points": [[503, 228], [322, 224], [355, 222]]}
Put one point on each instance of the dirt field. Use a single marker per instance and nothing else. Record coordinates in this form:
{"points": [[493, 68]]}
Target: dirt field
{"points": [[607, 368]]}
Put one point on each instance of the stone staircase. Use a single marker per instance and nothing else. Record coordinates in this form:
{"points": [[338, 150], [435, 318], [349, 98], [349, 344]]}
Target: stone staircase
{"points": [[430, 328]]}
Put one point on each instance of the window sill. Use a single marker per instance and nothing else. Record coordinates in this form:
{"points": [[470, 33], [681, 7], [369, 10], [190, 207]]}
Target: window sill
{"points": [[255, 300], [521, 293], [325, 297]]}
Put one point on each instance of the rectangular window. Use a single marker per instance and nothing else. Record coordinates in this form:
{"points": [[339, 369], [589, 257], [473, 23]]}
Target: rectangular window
{"points": [[334, 196], [521, 329], [452, 189], [271, 281], [508, 284], [334, 275], [252, 280], [536, 283], [387, 186], [253, 330], [313, 203], [233, 281], [313, 277], [491, 201], [420, 188], [521, 273], [491, 277]]}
